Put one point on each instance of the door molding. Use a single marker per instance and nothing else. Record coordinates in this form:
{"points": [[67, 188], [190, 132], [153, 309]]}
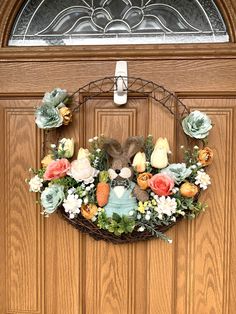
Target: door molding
{"points": [[10, 8]]}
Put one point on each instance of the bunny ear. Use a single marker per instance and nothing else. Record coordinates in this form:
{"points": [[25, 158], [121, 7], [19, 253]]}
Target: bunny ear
{"points": [[133, 145], [112, 147]]}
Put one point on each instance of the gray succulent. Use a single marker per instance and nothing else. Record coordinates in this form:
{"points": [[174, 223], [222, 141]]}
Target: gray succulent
{"points": [[48, 117], [55, 97], [178, 172], [197, 125], [51, 198]]}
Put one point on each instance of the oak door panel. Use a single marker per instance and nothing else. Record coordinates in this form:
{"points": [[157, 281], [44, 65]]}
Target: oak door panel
{"points": [[48, 267]]}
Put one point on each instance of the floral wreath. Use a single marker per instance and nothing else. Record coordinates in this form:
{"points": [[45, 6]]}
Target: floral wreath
{"points": [[120, 193]]}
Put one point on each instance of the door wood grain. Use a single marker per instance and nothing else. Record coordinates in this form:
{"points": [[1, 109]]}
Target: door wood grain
{"points": [[46, 266]]}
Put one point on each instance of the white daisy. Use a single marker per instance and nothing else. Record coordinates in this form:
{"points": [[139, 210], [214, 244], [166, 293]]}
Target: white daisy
{"points": [[166, 205], [202, 179], [72, 205]]}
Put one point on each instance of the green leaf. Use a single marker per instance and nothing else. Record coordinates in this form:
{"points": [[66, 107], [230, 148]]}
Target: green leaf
{"points": [[116, 217]]}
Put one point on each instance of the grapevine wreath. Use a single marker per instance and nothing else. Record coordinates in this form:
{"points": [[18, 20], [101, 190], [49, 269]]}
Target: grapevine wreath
{"points": [[121, 192]]}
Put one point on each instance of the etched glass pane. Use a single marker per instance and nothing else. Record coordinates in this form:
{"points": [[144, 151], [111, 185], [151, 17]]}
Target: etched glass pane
{"points": [[94, 22]]}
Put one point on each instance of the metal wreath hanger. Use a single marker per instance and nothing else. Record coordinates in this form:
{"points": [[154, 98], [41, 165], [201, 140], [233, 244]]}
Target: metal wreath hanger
{"points": [[132, 85], [121, 85]]}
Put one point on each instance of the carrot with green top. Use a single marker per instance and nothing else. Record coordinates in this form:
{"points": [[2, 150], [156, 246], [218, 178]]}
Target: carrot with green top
{"points": [[103, 189]]}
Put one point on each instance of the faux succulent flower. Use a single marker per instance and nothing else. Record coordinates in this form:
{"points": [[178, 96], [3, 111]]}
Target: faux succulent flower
{"points": [[55, 97], [52, 197], [35, 184], [48, 117], [197, 125], [178, 172]]}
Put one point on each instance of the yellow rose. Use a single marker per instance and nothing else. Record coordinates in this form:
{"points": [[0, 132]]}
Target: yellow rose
{"points": [[66, 115], [142, 180], [139, 162], [188, 189], [205, 156], [66, 146], [89, 211], [46, 160]]}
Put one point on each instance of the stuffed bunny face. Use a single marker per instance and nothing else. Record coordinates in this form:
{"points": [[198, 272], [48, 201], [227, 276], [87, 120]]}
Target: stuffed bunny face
{"points": [[120, 170], [120, 166]]}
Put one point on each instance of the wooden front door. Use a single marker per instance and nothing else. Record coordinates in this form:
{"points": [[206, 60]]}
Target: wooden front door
{"points": [[48, 267]]}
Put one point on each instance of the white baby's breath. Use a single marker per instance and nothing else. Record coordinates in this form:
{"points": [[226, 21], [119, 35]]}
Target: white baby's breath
{"points": [[35, 184], [141, 229]]}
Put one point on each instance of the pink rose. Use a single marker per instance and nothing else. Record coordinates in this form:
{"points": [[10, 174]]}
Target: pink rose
{"points": [[161, 184], [57, 169]]}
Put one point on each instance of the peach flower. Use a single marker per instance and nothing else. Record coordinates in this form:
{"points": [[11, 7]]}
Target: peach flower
{"points": [[161, 184], [142, 180], [47, 160], [56, 169], [89, 211], [205, 156], [188, 189]]}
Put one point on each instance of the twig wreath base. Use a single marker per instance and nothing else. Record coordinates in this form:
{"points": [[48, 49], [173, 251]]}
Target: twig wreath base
{"points": [[127, 192], [88, 227]]}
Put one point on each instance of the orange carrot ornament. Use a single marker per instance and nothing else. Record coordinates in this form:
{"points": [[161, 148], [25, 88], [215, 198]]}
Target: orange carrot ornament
{"points": [[103, 189]]}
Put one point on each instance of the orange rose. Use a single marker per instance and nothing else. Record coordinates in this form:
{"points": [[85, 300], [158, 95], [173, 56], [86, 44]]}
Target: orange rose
{"points": [[205, 156], [142, 180], [188, 189], [89, 211]]}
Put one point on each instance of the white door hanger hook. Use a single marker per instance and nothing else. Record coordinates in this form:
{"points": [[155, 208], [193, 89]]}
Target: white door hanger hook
{"points": [[121, 86]]}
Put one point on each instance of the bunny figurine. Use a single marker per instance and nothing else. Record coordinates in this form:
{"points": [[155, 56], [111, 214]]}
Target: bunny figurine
{"points": [[124, 193]]}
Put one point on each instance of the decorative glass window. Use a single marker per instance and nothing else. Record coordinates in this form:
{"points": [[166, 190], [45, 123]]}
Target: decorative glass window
{"points": [[95, 22]]}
